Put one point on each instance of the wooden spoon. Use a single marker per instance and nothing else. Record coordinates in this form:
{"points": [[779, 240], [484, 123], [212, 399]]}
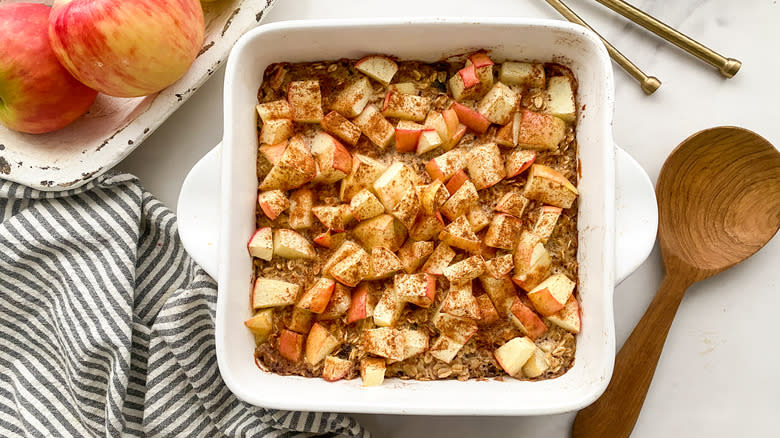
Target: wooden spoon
{"points": [[718, 203]]}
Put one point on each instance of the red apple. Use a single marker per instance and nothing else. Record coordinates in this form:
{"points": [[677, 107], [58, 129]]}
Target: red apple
{"points": [[456, 181], [291, 345], [359, 306], [128, 48], [37, 94], [468, 75], [406, 136]]}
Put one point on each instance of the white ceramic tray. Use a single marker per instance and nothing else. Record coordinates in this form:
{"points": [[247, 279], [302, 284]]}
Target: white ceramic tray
{"points": [[113, 127]]}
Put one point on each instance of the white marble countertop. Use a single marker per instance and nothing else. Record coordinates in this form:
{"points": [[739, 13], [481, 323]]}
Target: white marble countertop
{"points": [[718, 374]]}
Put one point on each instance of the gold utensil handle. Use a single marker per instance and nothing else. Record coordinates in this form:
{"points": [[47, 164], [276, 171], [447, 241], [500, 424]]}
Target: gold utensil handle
{"points": [[728, 67], [649, 83]]}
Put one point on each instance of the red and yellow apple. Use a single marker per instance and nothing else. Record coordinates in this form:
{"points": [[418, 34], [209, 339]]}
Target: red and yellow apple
{"points": [[37, 94], [128, 48]]}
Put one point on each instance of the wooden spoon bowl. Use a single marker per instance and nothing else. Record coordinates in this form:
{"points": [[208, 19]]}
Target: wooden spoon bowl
{"points": [[718, 203]]}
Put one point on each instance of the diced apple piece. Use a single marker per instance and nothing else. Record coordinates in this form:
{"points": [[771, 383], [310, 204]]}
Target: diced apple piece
{"points": [[526, 320], [413, 254], [407, 135], [365, 170], [340, 301], [532, 261], [276, 131], [463, 84], [536, 365], [388, 309], [436, 121], [385, 342], [365, 205], [512, 203], [501, 292], [456, 181], [301, 203], [560, 98], [289, 244], [444, 166], [403, 87], [433, 196], [377, 67], [273, 152], [568, 318], [551, 295], [305, 101], [445, 349], [273, 203], [459, 235], [518, 161], [384, 263], [426, 227], [456, 137], [464, 199], [439, 259], [372, 371], [295, 168], [344, 250], [338, 125], [498, 104], [352, 269], [522, 73], [290, 345], [329, 239], [457, 328], [261, 244], [505, 134], [487, 310], [360, 304], [474, 120], [273, 293], [550, 187], [478, 219], [465, 270], [335, 368], [514, 354], [407, 208], [482, 61], [503, 232], [383, 230], [394, 183], [545, 223], [499, 266], [278, 109], [333, 217], [333, 160], [316, 298], [374, 126], [406, 106], [460, 301], [319, 344], [451, 120], [429, 140], [540, 131], [418, 289], [414, 341], [261, 323], [351, 101], [486, 168], [300, 320]]}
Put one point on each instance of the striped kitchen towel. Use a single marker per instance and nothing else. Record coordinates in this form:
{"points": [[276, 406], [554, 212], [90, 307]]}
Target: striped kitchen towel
{"points": [[107, 326]]}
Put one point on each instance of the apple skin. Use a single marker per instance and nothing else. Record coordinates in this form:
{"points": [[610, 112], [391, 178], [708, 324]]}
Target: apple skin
{"points": [[37, 95], [129, 48]]}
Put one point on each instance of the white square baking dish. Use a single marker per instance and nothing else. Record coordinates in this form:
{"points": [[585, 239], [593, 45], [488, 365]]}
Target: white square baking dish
{"points": [[427, 40]]}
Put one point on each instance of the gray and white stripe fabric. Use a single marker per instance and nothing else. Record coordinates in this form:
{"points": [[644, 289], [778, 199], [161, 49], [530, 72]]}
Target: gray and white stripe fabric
{"points": [[107, 326]]}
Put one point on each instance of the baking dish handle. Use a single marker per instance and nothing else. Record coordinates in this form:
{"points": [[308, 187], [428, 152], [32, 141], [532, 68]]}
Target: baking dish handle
{"points": [[636, 214], [198, 211]]}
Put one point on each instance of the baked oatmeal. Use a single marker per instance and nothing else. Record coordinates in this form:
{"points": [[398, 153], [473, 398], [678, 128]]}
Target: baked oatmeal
{"points": [[416, 220]]}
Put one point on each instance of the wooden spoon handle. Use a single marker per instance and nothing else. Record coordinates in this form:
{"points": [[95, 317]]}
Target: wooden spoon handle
{"points": [[615, 413]]}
